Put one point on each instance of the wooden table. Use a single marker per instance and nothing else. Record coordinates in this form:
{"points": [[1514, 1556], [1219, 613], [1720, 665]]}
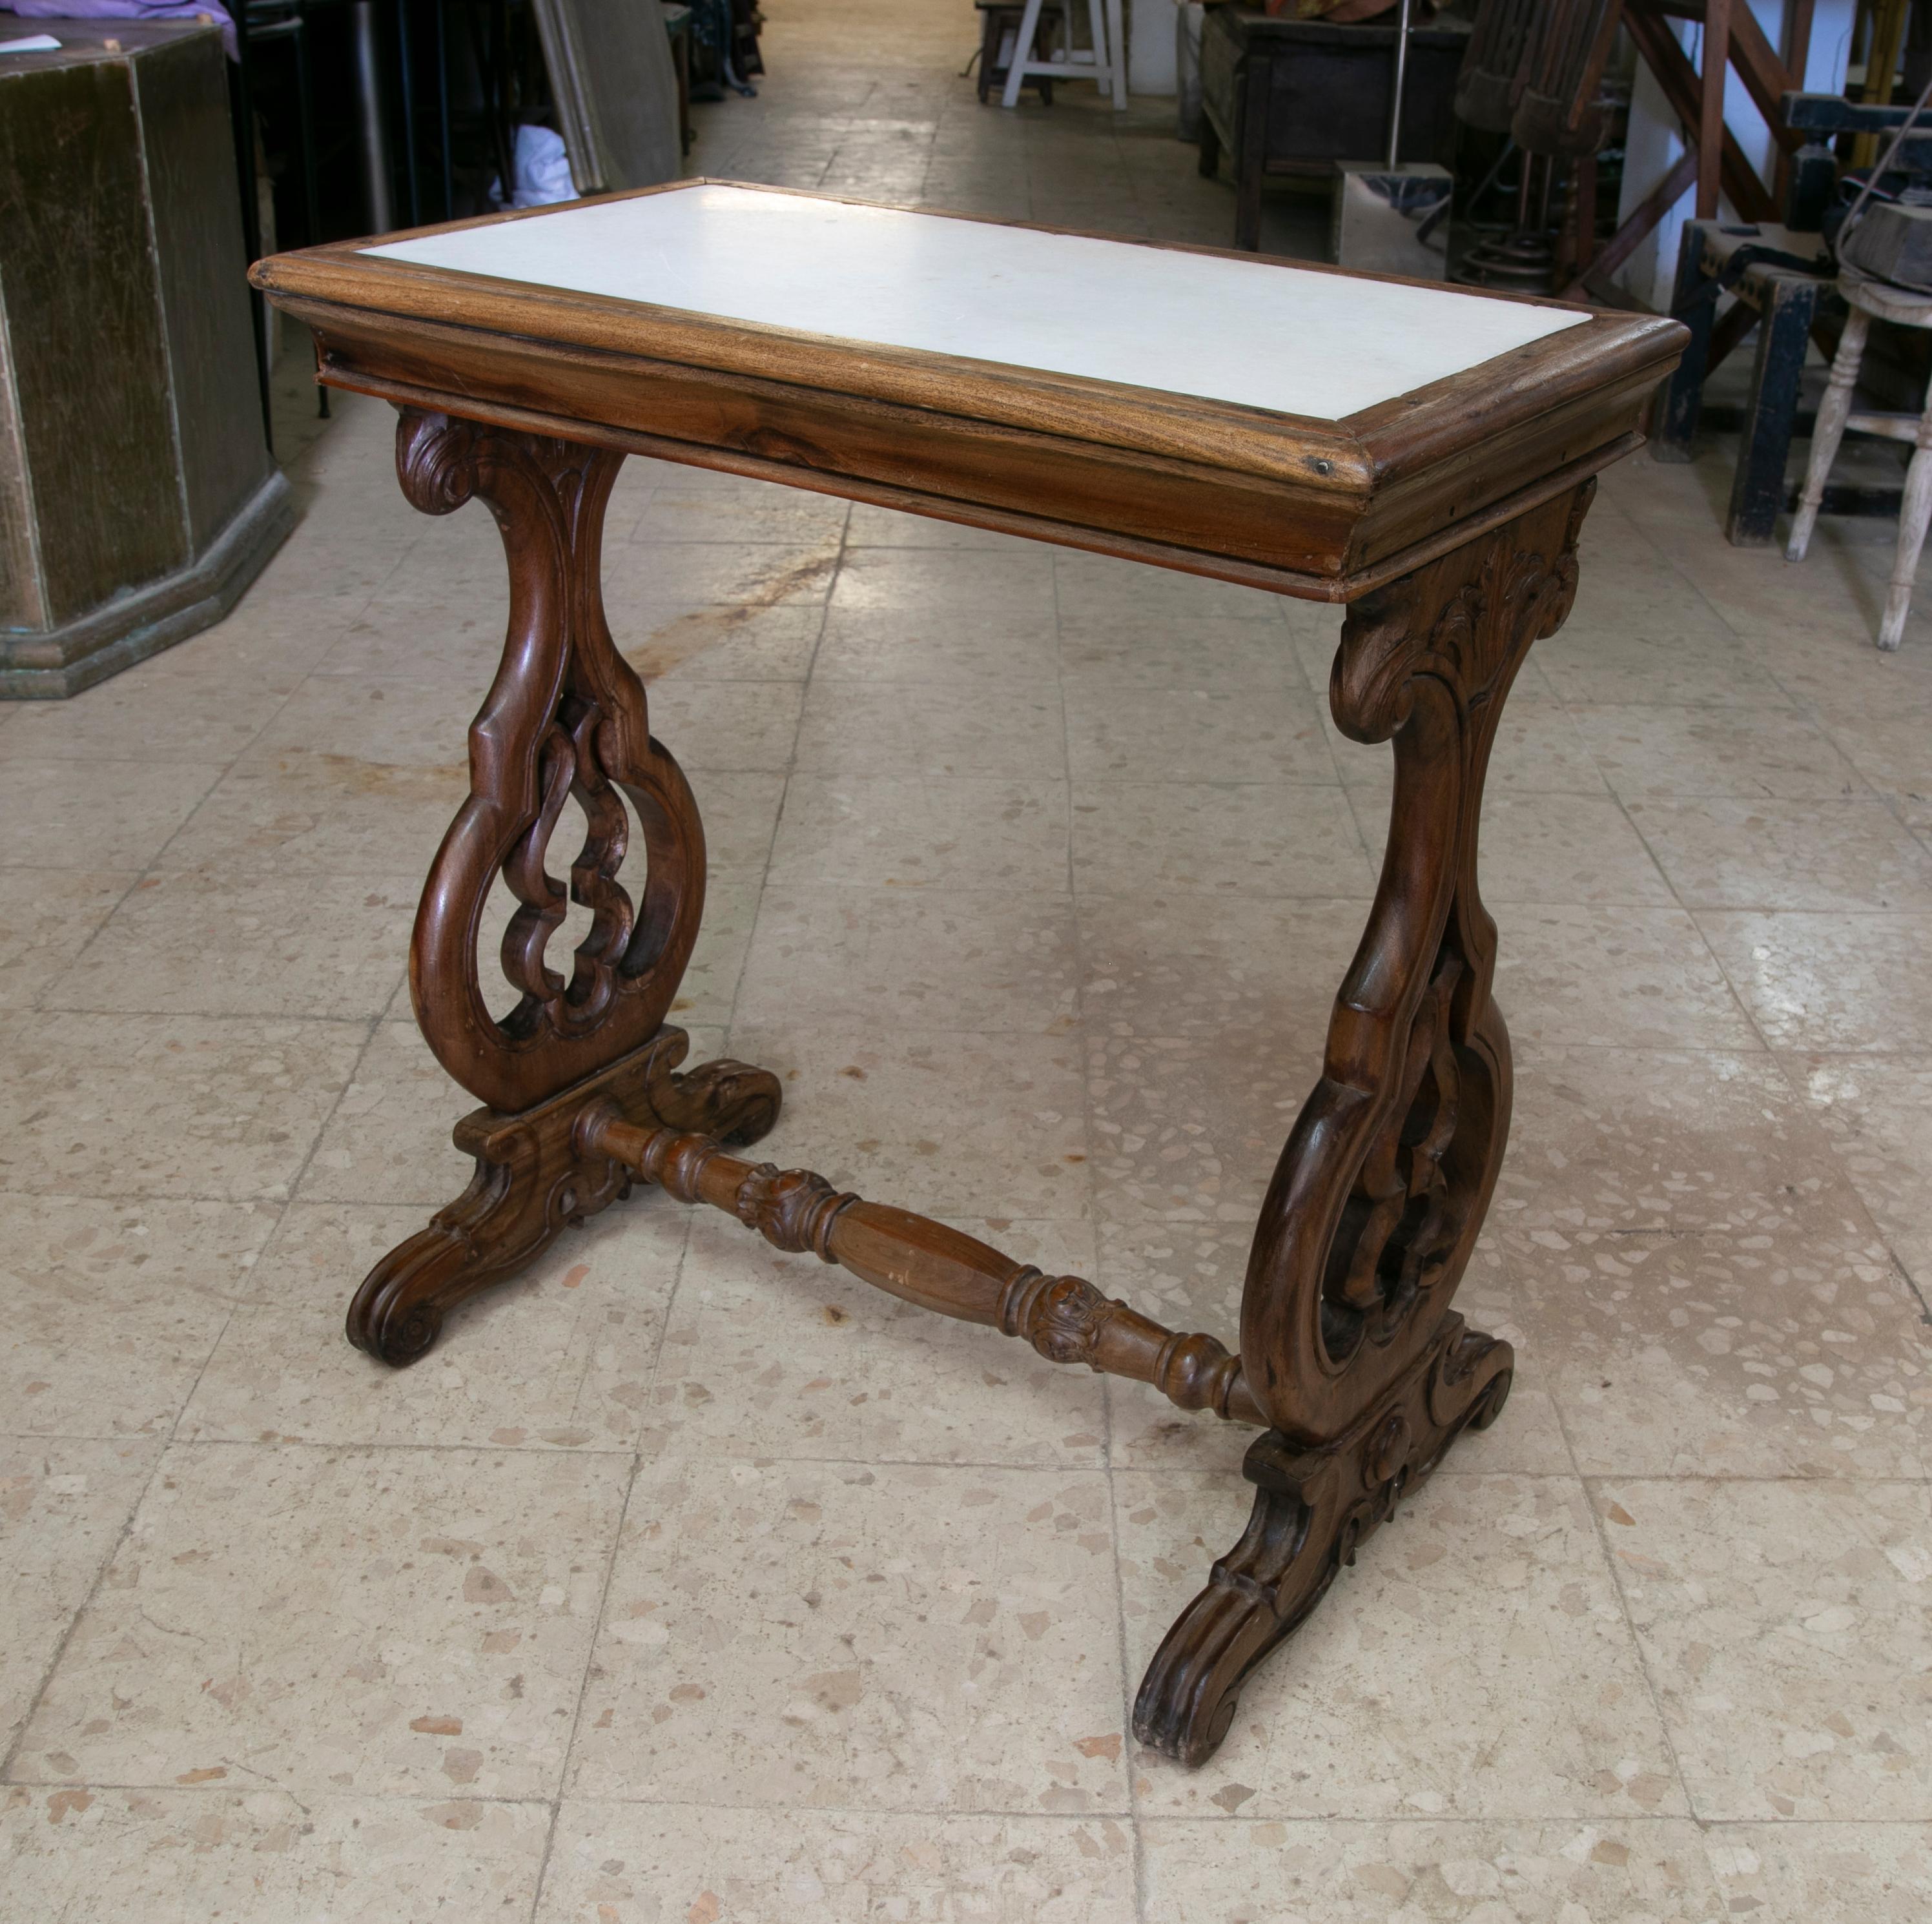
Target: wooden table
{"points": [[1424, 454]]}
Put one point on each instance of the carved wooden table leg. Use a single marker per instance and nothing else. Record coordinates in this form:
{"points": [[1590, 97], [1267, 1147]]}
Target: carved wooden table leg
{"points": [[1349, 1345], [565, 716], [1350, 1352]]}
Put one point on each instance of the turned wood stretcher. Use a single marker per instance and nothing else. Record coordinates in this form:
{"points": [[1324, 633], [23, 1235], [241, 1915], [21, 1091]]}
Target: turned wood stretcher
{"points": [[1422, 454]]}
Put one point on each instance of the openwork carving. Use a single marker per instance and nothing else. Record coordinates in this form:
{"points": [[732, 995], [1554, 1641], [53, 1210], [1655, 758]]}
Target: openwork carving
{"points": [[1351, 1355], [1385, 1180], [566, 716], [1348, 1341]]}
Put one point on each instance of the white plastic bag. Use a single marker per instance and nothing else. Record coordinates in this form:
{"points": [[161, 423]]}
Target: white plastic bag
{"points": [[542, 170]]}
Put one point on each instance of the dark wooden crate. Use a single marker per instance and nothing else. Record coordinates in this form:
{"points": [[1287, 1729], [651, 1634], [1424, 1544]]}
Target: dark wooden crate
{"points": [[1288, 99]]}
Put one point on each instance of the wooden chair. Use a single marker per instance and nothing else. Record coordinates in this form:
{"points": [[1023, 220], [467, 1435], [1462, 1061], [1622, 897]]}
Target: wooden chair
{"points": [[1492, 75], [1560, 48], [1871, 299], [1778, 300]]}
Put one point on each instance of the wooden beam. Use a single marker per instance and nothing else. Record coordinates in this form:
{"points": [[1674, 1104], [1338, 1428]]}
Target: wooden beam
{"points": [[1678, 80], [1710, 106], [1600, 50], [1794, 48], [1586, 213], [1766, 78], [1730, 332], [1888, 35], [1625, 241]]}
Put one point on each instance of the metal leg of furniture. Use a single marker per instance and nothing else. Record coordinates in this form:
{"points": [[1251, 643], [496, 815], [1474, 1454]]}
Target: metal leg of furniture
{"points": [[1757, 486], [241, 103], [490, 47], [405, 72], [1117, 55], [1914, 512], [565, 717], [1830, 430], [1683, 392], [1349, 1344]]}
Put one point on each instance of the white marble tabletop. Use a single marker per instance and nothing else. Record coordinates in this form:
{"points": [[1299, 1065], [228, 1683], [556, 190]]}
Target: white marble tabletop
{"points": [[1257, 333]]}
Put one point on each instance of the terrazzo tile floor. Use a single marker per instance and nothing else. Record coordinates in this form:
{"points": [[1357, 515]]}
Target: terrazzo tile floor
{"points": [[688, 1583]]}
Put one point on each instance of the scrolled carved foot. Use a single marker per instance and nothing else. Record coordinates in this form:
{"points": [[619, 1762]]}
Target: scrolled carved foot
{"points": [[1255, 1596], [1313, 1509], [730, 1101], [534, 1176], [395, 1316]]}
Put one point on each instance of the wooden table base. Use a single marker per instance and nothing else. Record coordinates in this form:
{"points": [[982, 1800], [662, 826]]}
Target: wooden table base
{"points": [[1351, 1360]]}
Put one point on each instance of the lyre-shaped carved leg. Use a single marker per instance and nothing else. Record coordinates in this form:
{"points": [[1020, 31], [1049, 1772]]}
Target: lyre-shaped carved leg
{"points": [[565, 717], [1348, 1344]]}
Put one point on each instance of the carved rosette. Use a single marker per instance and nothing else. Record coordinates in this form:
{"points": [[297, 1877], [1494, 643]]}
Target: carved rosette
{"points": [[794, 1209], [1068, 1321], [566, 717], [1384, 1180], [1062, 1317]]}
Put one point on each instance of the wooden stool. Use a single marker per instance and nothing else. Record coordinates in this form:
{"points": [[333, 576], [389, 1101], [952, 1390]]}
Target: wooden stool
{"points": [[1785, 301], [999, 18], [1105, 62], [1868, 298]]}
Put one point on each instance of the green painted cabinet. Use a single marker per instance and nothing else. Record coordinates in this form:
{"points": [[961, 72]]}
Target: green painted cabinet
{"points": [[138, 497]]}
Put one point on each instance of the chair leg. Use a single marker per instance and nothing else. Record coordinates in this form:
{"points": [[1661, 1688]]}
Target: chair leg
{"points": [[1683, 399], [1022, 53], [1832, 411], [1103, 69], [1117, 55], [1914, 512], [1209, 165], [1757, 488]]}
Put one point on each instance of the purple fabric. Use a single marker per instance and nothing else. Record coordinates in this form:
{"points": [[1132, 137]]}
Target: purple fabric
{"points": [[124, 9]]}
